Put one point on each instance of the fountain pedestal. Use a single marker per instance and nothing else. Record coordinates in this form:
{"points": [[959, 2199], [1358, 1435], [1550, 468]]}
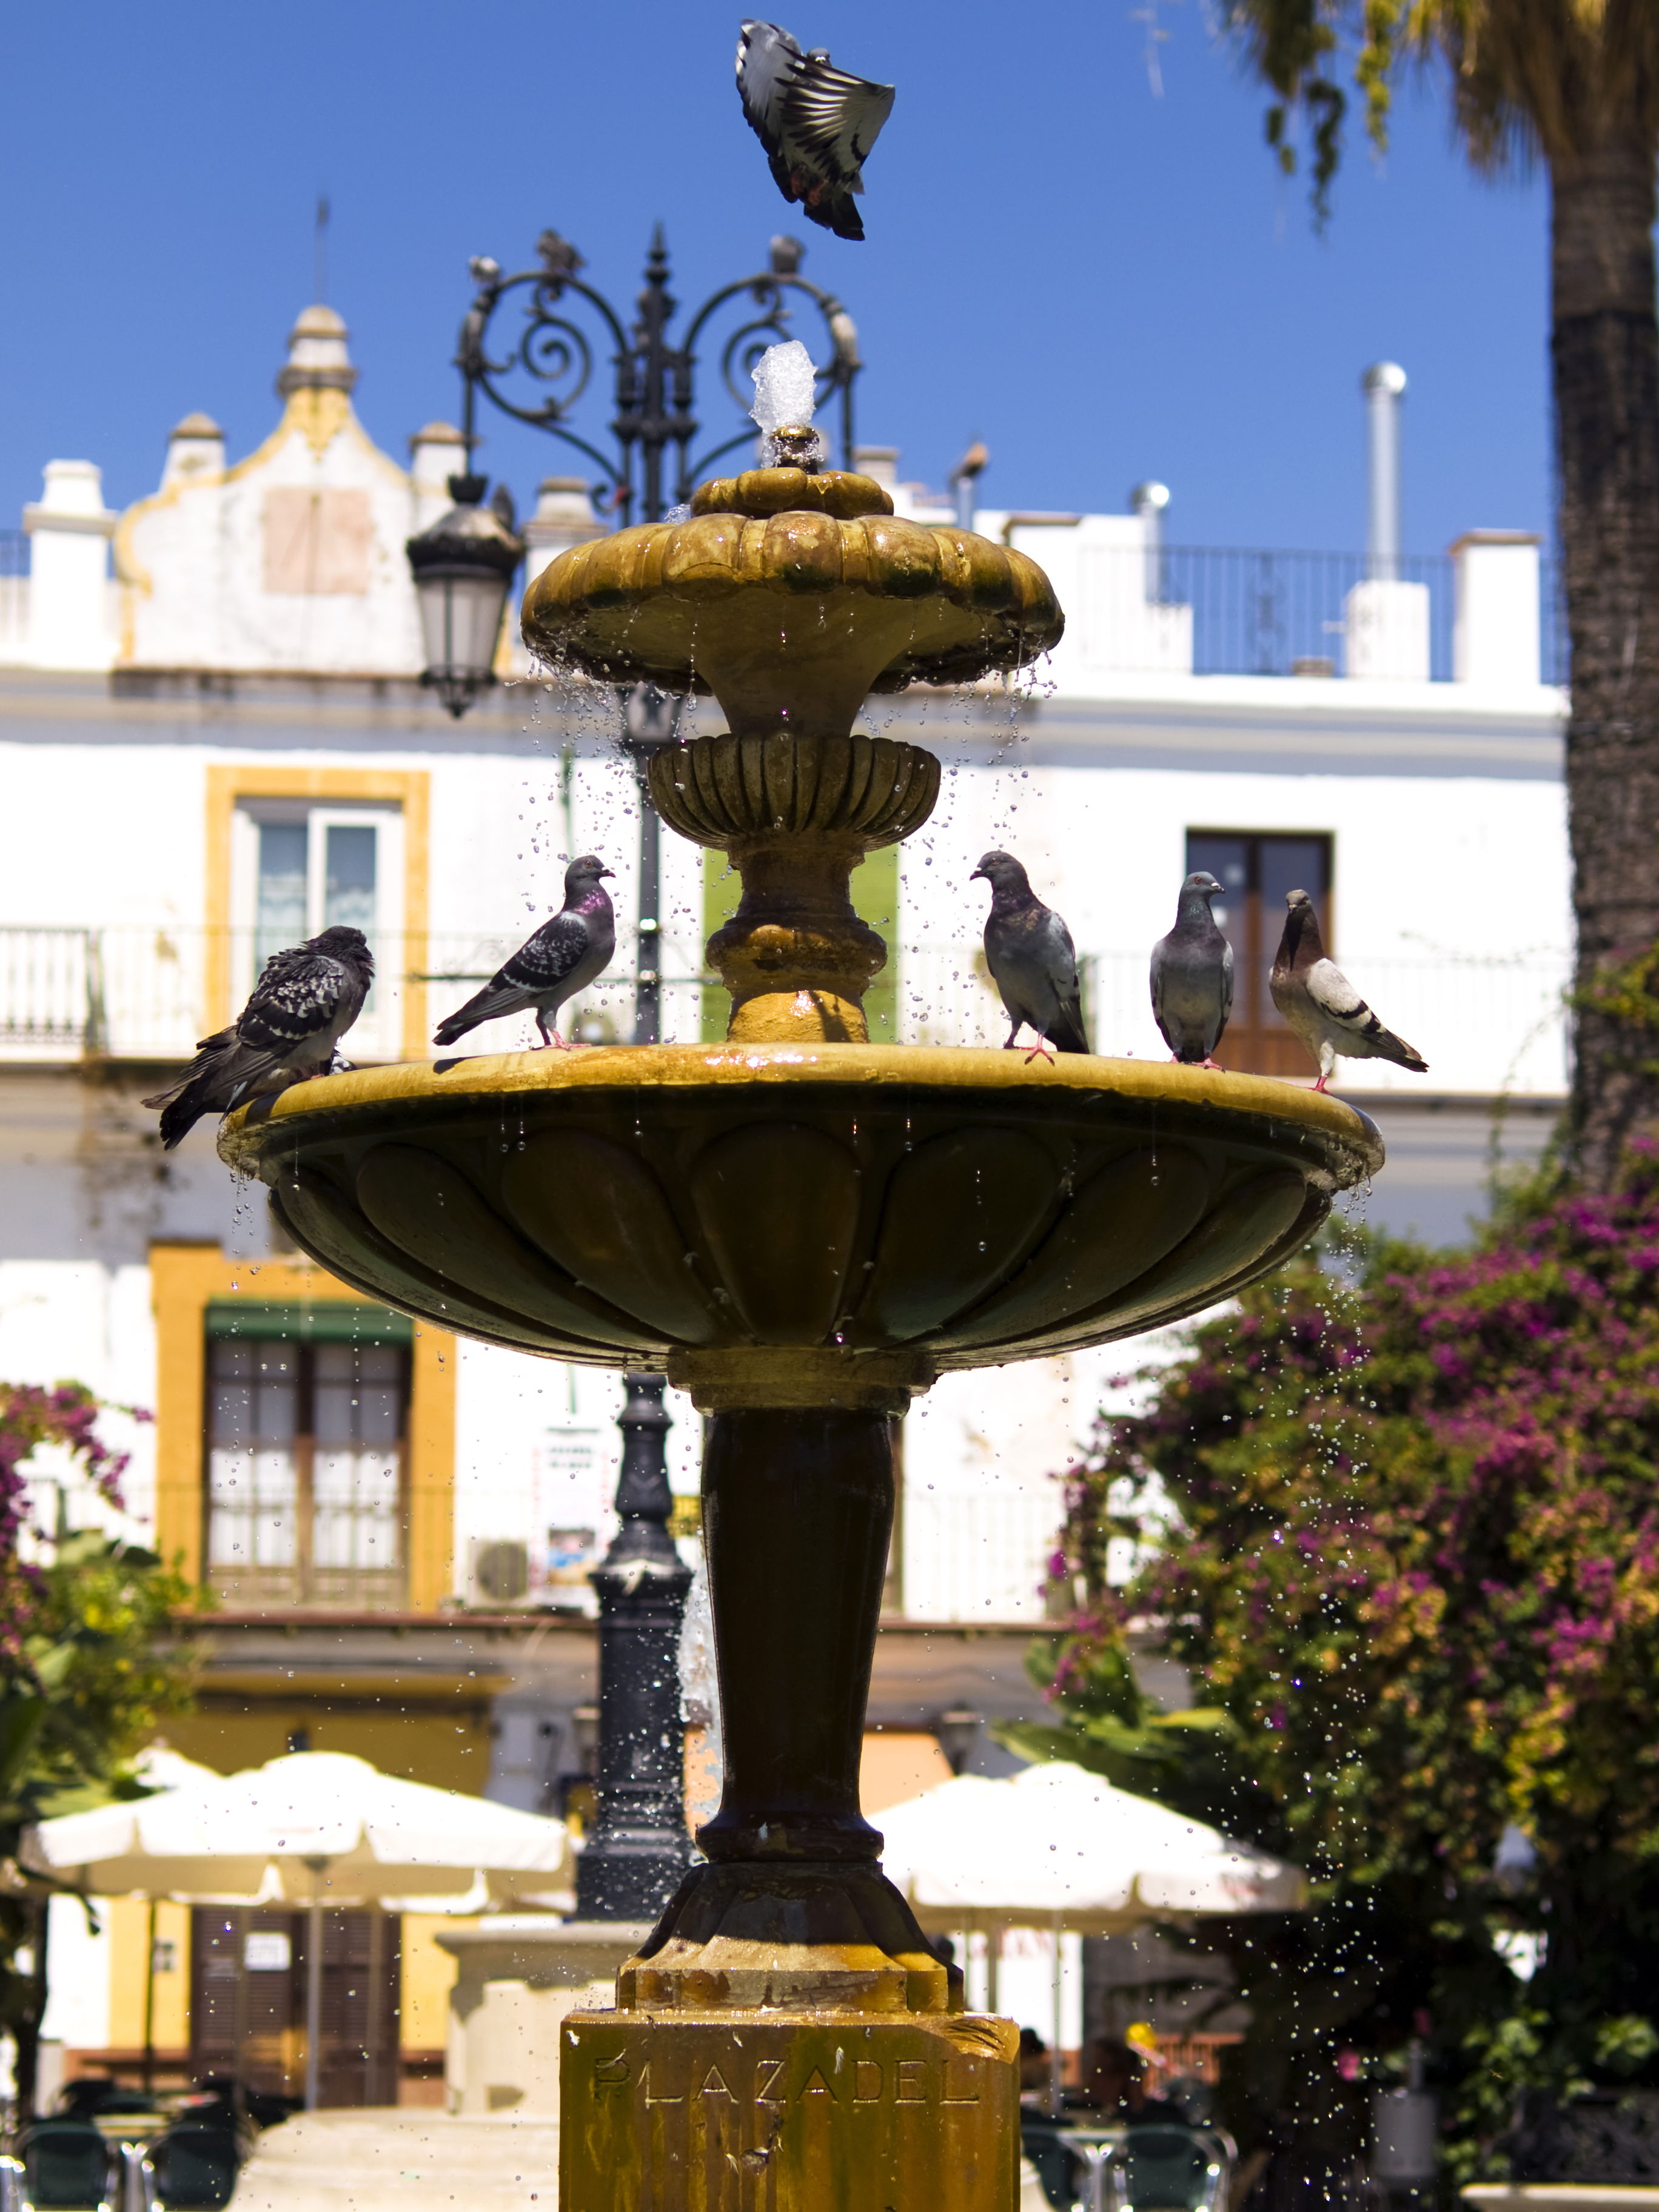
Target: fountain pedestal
{"points": [[803, 1231], [786, 2036]]}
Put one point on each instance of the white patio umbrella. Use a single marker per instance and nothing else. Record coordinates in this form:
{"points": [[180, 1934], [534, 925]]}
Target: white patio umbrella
{"points": [[314, 1828], [1058, 1848], [1055, 1839]]}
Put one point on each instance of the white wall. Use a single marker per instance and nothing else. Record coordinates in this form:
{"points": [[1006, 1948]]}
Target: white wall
{"points": [[1452, 895]]}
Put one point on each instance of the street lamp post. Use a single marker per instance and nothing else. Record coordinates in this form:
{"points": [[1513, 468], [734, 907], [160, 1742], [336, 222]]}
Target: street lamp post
{"points": [[638, 1848], [537, 372]]}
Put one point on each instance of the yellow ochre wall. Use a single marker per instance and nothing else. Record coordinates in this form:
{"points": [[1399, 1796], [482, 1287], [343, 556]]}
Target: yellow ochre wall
{"points": [[128, 1920]]}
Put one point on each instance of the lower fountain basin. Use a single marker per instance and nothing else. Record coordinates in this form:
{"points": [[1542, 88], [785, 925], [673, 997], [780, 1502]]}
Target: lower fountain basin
{"points": [[756, 1219]]}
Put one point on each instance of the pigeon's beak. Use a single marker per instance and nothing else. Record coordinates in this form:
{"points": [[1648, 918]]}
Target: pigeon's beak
{"points": [[607, 872], [979, 874]]}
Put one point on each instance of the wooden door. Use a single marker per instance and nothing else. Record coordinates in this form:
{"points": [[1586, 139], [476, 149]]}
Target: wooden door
{"points": [[248, 2010], [1256, 869]]}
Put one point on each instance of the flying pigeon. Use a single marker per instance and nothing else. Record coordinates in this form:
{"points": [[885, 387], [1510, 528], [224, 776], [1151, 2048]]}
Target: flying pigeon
{"points": [[1193, 976], [1321, 1006], [564, 955], [1033, 963], [817, 123], [306, 1000]]}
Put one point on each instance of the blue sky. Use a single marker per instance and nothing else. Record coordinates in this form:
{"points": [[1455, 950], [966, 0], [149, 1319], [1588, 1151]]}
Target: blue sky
{"points": [[1102, 285]]}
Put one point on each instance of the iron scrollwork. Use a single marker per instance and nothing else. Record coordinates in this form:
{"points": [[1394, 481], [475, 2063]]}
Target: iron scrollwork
{"points": [[539, 374]]}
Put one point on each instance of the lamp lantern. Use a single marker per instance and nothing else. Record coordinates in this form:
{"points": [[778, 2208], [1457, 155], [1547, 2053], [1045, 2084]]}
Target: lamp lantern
{"points": [[464, 565]]}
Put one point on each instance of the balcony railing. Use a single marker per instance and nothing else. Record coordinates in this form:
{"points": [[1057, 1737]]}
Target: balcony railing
{"points": [[1484, 1025], [1243, 610]]}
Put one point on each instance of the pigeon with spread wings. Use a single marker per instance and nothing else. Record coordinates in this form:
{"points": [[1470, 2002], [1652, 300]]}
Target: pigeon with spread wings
{"points": [[817, 123], [306, 1000], [566, 954]]}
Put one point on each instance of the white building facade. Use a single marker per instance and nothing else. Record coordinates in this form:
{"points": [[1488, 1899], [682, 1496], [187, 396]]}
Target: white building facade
{"points": [[213, 741]]}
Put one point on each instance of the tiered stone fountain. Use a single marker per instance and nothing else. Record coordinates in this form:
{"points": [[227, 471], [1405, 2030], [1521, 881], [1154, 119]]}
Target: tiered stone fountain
{"points": [[804, 1230]]}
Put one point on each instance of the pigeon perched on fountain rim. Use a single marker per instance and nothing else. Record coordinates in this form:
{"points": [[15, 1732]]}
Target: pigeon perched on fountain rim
{"points": [[817, 123], [1191, 975], [306, 998], [1321, 1006], [1032, 960], [563, 956]]}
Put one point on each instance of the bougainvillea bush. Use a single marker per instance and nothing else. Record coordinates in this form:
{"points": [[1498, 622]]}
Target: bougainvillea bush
{"points": [[1417, 1566], [84, 1676]]}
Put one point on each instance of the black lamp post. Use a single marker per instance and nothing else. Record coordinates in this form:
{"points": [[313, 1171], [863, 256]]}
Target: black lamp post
{"points": [[638, 1848]]}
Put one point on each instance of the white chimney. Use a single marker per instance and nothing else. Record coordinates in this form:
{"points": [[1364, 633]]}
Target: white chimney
{"points": [[1384, 385], [69, 569], [564, 517], [1385, 621], [1148, 501], [436, 452], [1495, 622]]}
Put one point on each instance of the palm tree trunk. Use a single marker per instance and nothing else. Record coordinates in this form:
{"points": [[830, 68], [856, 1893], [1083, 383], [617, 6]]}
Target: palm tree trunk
{"points": [[1605, 348]]}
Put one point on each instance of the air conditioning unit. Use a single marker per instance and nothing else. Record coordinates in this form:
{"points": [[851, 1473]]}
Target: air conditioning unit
{"points": [[500, 1575]]}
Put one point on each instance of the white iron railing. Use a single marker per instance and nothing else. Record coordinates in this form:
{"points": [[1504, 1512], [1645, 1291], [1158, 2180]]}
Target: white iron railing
{"points": [[1484, 1025]]}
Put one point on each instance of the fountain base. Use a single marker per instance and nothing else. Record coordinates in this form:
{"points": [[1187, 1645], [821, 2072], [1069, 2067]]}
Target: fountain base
{"points": [[751, 2111]]}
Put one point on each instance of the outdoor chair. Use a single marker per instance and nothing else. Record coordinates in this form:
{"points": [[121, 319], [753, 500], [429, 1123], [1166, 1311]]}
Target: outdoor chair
{"points": [[1059, 2169], [1165, 2169], [196, 2165], [68, 2166]]}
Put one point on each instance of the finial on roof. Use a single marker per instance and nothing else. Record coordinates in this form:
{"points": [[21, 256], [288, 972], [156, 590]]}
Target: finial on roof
{"points": [[317, 356], [197, 425]]}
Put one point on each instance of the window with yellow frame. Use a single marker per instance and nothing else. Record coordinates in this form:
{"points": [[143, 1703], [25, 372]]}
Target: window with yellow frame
{"points": [[292, 852]]}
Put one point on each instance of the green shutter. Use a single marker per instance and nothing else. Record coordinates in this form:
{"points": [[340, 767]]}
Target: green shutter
{"points": [[875, 899], [326, 1321]]}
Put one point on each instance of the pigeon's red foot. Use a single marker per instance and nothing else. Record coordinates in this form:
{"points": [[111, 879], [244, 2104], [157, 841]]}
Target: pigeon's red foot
{"points": [[1039, 1051], [1216, 1065], [1323, 1083]]}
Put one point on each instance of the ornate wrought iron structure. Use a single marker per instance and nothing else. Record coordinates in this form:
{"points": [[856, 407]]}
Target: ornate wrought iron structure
{"points": [[539, 369]]}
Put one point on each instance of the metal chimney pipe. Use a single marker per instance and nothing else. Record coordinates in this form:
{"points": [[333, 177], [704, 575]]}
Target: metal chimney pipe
{"points": [[1149, 501], [1382, 384]]}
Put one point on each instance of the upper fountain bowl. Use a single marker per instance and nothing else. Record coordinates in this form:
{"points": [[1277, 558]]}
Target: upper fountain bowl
{"points": [[831, 1224], [791, 597]]}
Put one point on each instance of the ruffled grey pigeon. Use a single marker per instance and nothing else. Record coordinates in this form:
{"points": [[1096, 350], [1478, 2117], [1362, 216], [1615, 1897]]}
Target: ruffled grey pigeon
{"points": [[1321, 1006], [1033, 963], [563, 956], [306, 1000], [1193, 976], [817, 123]]}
